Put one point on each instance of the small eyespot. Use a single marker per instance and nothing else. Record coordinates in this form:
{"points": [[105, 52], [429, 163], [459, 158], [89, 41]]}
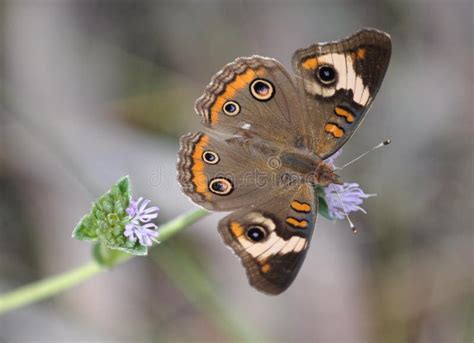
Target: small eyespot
{"points": [[262, 89], [231, 108], [210, 157], [220, 186], [326, 74], [256, 233]]}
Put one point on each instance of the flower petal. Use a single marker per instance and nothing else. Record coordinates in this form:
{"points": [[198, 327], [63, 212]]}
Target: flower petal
{"points": [[346, 198], [330, 160], [139, 226], [152, 209], [143, 206]]}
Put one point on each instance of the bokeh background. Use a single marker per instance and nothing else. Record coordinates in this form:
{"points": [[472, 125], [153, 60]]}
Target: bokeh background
{"points": [[93, 90]]}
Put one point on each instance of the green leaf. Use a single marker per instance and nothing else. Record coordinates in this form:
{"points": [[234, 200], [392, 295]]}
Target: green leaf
{"points": [[323, 205], [106, 224], [136, 249], [84, 230]]}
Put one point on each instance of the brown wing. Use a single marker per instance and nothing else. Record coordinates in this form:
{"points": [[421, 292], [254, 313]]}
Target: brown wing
{"points": [[338, 82], [272, 237], [224, 174], [253, 96]]}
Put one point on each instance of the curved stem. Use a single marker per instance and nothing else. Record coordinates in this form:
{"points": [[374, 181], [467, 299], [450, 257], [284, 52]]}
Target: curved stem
{"points": [[48, 287]]}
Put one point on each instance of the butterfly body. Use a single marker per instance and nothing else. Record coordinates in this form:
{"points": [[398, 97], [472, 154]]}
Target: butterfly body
{"points": [[266, 136]]}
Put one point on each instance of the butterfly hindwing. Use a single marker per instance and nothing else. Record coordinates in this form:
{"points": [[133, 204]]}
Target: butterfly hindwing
{"points": [[252, 96], [224, 174], [272, 237], [338, 82]]}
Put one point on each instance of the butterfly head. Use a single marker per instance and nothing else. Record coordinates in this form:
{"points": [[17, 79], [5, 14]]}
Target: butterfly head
{"points": [[325, 175]]}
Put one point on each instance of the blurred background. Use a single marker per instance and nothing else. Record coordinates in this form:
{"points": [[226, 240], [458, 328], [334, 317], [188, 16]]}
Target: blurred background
{"points": [[93, 90]]}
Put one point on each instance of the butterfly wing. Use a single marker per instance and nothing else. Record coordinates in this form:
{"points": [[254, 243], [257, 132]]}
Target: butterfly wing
{"points": [[224, 174], [253, 96], [338, 82], [272, 238]]}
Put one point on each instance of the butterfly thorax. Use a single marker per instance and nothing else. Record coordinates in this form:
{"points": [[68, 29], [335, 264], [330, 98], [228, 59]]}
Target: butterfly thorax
{"points": [[310, 168], [292, 164]]}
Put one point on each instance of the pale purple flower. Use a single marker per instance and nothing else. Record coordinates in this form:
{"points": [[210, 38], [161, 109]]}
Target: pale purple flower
{"points": [[140, 227], [346, 198], [343, 199], [140, 212], [330, 160]]}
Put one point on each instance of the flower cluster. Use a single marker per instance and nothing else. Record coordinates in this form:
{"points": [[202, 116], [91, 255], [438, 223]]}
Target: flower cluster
{"points": [[343, 199], [139, 228]]}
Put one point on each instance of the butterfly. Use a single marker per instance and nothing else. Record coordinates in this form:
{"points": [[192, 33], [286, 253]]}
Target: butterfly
{"points": [[266, 135]]}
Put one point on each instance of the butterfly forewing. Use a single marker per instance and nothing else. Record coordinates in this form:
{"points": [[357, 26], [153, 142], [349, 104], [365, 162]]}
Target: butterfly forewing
{"points": [[338, 82], [272, 238]]}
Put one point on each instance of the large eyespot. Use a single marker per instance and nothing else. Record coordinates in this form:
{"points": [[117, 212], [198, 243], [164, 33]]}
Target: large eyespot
{"points": [[262, 89], [210, 157], [326, 74], [256, 233], [231, 108], [220, 186]]}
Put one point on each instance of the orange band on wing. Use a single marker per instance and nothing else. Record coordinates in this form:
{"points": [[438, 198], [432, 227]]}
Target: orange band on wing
{"points": [[300, 224], [199, 179], [231, 88], [335, 130], [342, 112], [310, 63], [300, 206], [236, 229], [361, 53]]}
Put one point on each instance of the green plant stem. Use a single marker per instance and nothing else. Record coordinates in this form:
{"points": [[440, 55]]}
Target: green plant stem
{"points": [[48, 287], [51, 286]]}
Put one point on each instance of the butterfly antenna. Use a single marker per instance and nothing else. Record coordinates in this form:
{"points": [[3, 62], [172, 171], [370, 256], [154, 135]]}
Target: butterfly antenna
{"points": [[351, 224], [380, 145]]}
